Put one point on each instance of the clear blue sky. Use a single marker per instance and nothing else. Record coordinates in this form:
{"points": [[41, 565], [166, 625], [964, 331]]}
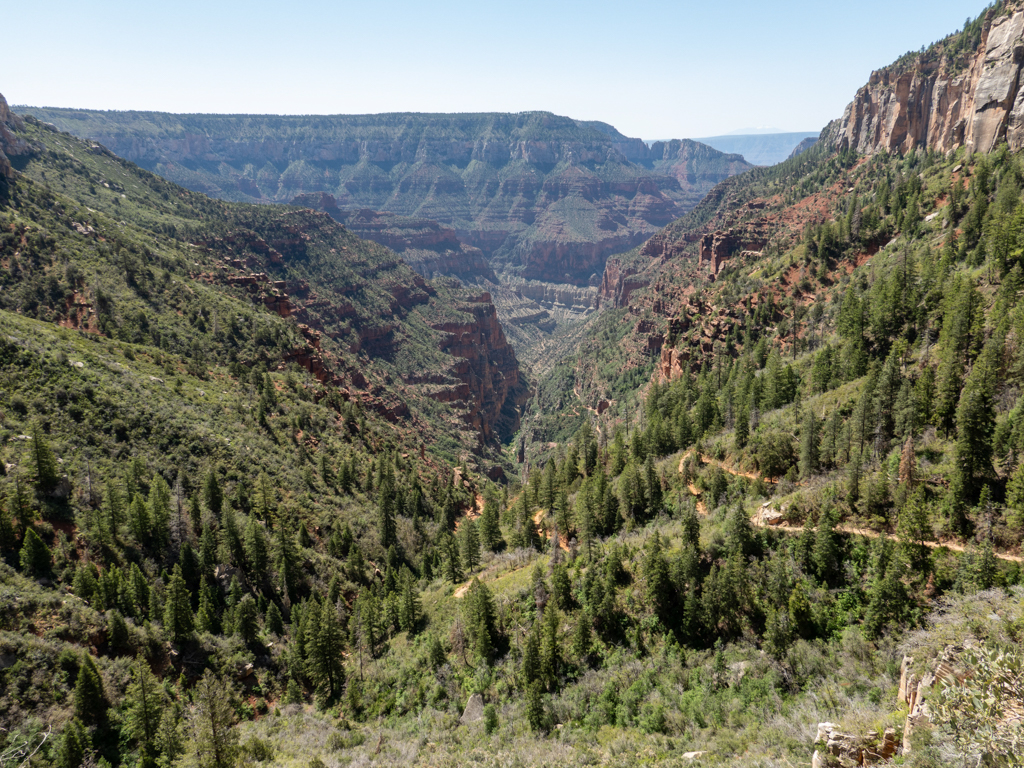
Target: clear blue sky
{"points": [[652, 68]]}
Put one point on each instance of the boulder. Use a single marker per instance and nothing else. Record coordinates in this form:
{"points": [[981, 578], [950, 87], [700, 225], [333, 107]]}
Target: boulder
{"points": [[474, 709]]}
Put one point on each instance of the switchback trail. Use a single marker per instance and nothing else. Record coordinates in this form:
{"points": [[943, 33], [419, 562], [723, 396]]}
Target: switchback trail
{"points": [[757, 521]]}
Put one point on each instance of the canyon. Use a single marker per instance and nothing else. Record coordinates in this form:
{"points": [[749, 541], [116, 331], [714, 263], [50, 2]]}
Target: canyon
{"points": [[540, 196]]}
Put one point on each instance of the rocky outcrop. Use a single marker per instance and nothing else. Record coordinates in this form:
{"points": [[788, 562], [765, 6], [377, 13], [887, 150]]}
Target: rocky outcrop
{"points": [[10, 144], [942, 100], [541, 196], [844, 750], [490, 388]]}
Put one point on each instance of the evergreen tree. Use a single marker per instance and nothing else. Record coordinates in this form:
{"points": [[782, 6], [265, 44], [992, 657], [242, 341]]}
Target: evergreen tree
{"points": [[89, 700], [74, 746], [145, 700], [550, 652], [178, 620], [490, 531], [213, 497], [325, 658], [255, 546], [45, 473], [274, 623], [469, 544], [213, 741], [386, 504], [809, 446], [286, 562], [35, 555], [975, 421], [206, 616], [409, 608], [827, 548]]}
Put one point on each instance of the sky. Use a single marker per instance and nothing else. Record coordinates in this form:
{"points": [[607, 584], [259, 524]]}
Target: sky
{"points": [[655, 69]]}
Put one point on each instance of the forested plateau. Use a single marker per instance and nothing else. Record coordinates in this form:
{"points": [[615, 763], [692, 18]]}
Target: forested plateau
{"points": [[272, 497]]}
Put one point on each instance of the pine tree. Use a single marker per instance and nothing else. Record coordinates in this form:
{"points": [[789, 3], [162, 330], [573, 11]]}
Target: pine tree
{"points": [[325, 659], [274, 623], [826, 547], [45, 473], [490, 531], [975, 421], [74, 746], [138, 520], [535, 715], [213, 497], [908, 463], [386, 505], [550, 652], [409, 607], [206, 616], [213, 740], [809, 446], [178, 620], [469, 544], [89, 700], [145, 700], [35, 555], [160, 512], [286, 562], [255, 546], [245, 618]]}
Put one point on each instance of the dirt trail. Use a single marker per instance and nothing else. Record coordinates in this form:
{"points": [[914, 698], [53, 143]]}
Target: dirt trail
{"points": [[758, 522]]}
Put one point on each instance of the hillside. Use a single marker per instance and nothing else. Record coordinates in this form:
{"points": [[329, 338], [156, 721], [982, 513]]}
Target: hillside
{"points": [[543, 197]]}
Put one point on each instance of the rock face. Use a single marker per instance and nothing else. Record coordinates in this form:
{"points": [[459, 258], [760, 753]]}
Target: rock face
{"points": [[941, 100], [490, 389], [847, 750], [10, 145], [542, 197], [429, 247]]}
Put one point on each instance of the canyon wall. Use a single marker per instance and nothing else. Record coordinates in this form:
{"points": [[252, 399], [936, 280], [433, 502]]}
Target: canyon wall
{"points": [[543, 197], [943, 100]]}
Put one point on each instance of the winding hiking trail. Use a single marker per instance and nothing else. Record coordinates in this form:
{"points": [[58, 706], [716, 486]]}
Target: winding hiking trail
{"points": [[757, 520]]}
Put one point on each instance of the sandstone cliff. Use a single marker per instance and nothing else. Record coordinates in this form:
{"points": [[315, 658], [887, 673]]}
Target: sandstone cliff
{"points": [[945, 97]]}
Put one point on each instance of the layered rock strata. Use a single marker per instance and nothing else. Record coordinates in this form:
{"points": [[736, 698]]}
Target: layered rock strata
{"points": [[943, 101]]}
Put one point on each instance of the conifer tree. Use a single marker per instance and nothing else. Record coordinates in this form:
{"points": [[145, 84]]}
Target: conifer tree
{"points": [[826, 547], [35, 555], [469, 544], [138, 519], [74, 746], [145, 700], [213, 741], [160, 512], [178, 619], [89, 700], [550, 652], [386, 504], [286, 562], [255, 545], [45, 473], [409, 607], [213, 497], [490, 531], [324, 650], [273, 622], [206, 617]]}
